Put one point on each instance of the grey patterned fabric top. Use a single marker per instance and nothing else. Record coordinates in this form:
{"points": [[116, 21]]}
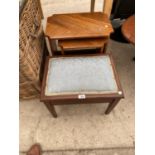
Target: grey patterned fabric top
{"points": [[86, 75]]}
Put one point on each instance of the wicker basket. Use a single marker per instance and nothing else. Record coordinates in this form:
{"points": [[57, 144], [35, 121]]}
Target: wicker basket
{"points": [[30, 41], [31, 49], [30, 60], [29, 90]]}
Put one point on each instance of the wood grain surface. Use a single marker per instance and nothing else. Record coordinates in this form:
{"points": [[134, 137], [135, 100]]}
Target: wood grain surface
{"points": [[78, 25], [82, 43]]}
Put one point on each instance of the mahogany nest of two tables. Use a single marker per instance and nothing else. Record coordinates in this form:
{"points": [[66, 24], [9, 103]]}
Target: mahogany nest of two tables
{"points": [[74, 31]]}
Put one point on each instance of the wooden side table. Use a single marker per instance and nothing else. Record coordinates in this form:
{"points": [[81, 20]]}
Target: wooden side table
{"points": [[70, 28], [79, 80], [128, 29]]}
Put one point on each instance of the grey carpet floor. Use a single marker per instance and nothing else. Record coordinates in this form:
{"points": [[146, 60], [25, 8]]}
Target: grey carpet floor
{"points": [[82, 127]]}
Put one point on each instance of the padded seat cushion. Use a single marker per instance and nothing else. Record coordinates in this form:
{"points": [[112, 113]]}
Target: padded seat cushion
{"points": [[74, 75]]}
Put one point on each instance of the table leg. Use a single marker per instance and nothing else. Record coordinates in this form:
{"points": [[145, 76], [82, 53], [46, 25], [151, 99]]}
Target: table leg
{"points": [[62, 50], [112, 105], [101, 50], [52, 44], [105, 48], [51, 108]]}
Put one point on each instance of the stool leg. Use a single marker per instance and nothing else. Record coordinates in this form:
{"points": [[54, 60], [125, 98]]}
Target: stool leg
{"points": [[112, 105], [51, 108]]}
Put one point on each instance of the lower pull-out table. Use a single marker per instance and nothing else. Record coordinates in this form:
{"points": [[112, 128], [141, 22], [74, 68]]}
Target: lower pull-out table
{"points": [[80, 79]]}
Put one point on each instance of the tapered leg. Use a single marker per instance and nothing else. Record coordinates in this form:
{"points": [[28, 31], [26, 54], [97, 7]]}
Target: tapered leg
{"points": [[52, 44], [101, 50], [62, 50], [51, 108], [105, 48], [112, 105]]}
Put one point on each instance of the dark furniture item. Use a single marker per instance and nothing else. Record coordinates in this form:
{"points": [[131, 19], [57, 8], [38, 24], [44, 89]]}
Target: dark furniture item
{"points": [[128, 29], [80, 79], [72, 29], [122, 9]]}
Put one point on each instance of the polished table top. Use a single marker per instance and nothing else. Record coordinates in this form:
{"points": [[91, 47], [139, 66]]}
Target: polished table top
{"points": [[78, 25], [128, 29]]}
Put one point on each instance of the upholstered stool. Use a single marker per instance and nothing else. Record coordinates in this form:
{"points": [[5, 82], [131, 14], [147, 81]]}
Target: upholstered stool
{"points": [[80, 79]]}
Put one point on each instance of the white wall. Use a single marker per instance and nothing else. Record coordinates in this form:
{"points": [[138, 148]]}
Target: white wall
{"points": [[68, 6]]}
